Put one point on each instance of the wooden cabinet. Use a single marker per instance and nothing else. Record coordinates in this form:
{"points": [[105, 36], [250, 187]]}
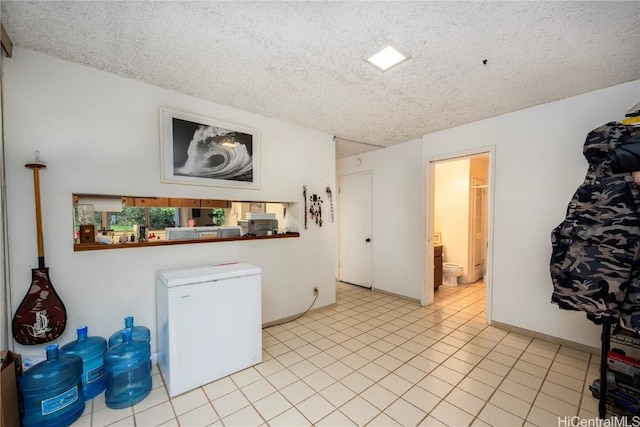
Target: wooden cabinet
{"points": [[128, 201], [437, 266], [150, 202], [184, 203], [206, 203], [173, 202], [145, 202]]}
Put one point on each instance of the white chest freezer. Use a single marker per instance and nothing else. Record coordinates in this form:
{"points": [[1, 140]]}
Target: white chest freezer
{"points": [[209, 323]]}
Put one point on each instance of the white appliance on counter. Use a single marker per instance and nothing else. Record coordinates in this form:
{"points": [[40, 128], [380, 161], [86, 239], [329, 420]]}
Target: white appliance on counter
{"points": [[209, 323]]}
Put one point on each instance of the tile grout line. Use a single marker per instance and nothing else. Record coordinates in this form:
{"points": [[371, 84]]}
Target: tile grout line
{"points": [[538, 390], [398, 397], [427, 374], [403, 315], [486, 401], [390, 372]]}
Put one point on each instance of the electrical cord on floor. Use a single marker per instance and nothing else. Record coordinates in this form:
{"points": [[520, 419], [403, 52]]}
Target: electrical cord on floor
{"points": [[297, 317]]}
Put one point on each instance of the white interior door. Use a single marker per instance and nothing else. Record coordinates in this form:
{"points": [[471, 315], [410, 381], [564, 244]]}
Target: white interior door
{"points": [[354, 266], [478, 229]]}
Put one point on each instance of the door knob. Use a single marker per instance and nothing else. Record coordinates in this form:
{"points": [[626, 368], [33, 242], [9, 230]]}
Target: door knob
{"points": [[368, 239]]}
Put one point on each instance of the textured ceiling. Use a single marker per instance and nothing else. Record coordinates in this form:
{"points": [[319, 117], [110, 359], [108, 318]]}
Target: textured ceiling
{"points": [[302, 62]]}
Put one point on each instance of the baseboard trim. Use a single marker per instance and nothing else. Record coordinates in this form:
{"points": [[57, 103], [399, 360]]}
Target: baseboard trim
{"points": [[290, 318], [396, 295], [555, 340]]}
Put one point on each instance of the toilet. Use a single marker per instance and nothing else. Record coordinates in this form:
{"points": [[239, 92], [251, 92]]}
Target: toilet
{"points": [[450, 273]]}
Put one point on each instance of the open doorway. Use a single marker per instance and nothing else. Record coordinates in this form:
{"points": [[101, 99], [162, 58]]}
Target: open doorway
{"points": [[457, 223]]}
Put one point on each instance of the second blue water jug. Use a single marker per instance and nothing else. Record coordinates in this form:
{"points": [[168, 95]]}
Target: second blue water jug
{"points": [[138, 333], [52, 390], [128, 368], [91, 350]]}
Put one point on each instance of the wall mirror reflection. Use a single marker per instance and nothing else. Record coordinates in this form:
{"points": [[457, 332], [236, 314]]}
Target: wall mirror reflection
{"points": [[126, 220]]}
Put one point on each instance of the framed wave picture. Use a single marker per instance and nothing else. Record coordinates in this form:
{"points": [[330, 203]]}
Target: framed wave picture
{"points": [[202, 151]]}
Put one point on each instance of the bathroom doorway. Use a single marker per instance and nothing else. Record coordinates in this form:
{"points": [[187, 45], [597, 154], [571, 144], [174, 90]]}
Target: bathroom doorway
{"points": [[458, 217]]}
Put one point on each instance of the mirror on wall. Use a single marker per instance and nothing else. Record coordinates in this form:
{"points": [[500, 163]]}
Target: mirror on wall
{"points": [[113, 220]]}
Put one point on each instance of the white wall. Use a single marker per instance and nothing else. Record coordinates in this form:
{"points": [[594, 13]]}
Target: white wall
{"points": [[99, 133], [451, 211], [397, 218], [538, 165]]}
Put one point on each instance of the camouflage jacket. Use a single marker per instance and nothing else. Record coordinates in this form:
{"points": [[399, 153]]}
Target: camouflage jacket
{"points": [[595, 261]]}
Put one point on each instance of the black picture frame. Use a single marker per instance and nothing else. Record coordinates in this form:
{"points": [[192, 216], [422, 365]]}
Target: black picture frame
{"points": [[197, 150]]}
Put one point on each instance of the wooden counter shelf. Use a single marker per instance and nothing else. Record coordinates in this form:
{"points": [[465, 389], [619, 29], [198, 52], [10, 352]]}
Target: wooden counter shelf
{"points": [[78, 247]]}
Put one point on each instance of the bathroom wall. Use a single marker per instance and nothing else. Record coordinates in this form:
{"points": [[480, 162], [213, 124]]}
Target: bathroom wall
{"points": [[99, 134]]}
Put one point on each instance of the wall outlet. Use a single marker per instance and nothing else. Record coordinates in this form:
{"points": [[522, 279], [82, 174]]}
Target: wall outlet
{"points": [[315, 291]]}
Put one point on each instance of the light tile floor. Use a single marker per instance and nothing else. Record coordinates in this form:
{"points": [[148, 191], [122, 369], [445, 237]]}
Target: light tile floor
{"points": [[379, 360]]}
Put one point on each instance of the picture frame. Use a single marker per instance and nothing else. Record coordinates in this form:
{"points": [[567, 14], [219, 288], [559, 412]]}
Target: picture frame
{"points": [[257, 207], [437, 238], [198, 150]]}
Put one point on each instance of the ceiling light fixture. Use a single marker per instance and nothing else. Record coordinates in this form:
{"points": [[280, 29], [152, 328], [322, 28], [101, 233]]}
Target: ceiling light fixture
{"points": [[388, 57]]}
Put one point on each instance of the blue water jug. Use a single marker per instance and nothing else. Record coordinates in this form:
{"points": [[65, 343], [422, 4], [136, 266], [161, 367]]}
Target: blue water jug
{"points": [[128, 368], [138, 333], [91, 351], [52, 390]]}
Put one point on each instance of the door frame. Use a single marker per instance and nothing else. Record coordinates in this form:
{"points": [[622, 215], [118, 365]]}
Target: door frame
{"points": [[428, 193], [339, 255]]}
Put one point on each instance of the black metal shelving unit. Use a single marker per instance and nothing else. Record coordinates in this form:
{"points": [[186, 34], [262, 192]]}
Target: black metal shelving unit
{"points": [[612, 332], [607, 325]]}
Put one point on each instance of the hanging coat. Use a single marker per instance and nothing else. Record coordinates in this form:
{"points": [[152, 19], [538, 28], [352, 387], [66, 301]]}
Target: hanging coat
{"points": [[595, 257]]}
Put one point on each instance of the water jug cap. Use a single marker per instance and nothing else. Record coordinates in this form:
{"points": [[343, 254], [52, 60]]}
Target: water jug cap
{"points": [[82, 332], [52, 351]]}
